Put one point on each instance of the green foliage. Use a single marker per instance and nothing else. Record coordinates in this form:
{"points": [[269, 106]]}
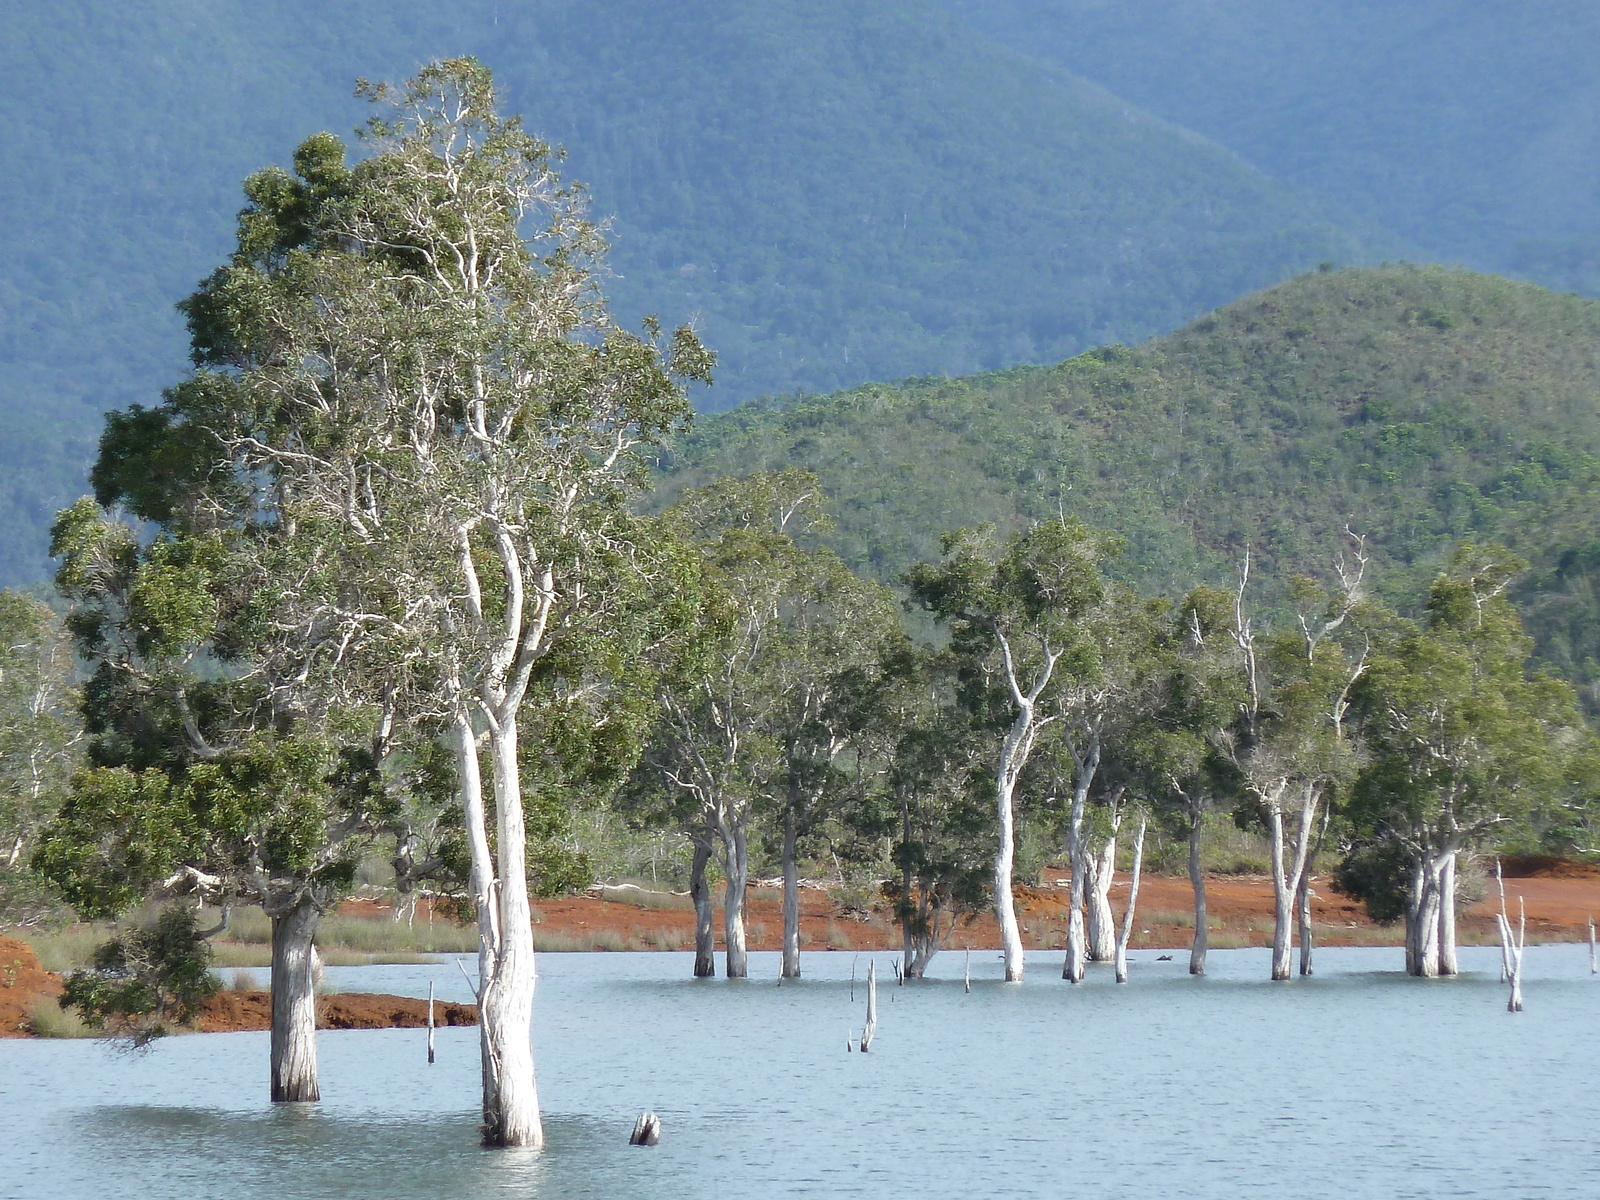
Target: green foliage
{"points": [[40, 746], [834, 192], [1272, 423], [148, 982]]}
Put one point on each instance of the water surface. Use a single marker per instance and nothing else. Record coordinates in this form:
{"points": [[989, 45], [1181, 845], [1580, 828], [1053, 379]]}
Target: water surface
{"points": [[1357, 1083]]}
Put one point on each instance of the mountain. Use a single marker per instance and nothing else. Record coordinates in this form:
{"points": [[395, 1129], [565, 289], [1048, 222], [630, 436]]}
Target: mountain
{"points": [[1418, 406], [1469, 127], [834, 192]]}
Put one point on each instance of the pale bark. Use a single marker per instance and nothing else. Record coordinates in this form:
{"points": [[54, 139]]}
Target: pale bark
{"points": [[505, 1005], [1594, 962], [736, 867], [791, 900], [294, 1002], [1287, 870], [1077, 860], [1197, 881], [1448, 962], [1126, 932], [1102, 923], [705, 960], [1004, 860]]}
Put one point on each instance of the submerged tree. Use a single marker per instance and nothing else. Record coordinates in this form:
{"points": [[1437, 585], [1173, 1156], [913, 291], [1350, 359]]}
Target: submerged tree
{"points": [[424, 427], [1462, 738], [1013, 611]]}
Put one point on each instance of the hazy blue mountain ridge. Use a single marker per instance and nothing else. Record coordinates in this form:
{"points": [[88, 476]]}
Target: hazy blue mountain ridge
{"points": [[832, 193]]}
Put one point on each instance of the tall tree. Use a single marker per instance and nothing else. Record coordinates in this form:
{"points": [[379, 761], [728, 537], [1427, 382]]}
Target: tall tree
{"points": [[1013, 609], [1463, 738], [429, 427]]}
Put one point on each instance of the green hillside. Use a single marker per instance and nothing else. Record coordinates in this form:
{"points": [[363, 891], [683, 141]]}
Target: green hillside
{"points": [[1419, 405], [834, 192]]}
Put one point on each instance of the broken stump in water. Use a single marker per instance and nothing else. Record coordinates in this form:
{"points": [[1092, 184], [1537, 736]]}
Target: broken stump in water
{"points": [[646, 1130]]}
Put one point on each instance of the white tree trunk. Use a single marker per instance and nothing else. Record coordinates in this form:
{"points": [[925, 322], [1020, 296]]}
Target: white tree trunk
{"points": [[1197, 882], [705, 960], [1078, 863], [1102, 922], [294, 1003], [737, 869], [1126, 932], [1425, 960], [505, 1005], [1282, 896], [1448, 962], [791, 901], [1005, 908]]}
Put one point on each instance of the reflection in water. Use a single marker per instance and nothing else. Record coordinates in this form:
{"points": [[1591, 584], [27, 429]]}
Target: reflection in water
{"points": [[1219, 1088]]}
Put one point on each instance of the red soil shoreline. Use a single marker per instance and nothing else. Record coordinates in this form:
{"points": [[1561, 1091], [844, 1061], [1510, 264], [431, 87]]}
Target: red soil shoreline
{"points": [[1560, 897]]}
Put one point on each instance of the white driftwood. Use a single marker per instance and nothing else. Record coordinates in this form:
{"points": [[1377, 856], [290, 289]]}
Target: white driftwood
{"points": [[430, 1020], [1123, 934], [646, 1130], [1504, 922], [967, 974], [1511, 947], [1594, 967], [871, 1026]]}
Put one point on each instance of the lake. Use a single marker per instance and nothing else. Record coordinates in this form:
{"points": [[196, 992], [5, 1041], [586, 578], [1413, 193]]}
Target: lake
{"points": [[1357, 1083]]}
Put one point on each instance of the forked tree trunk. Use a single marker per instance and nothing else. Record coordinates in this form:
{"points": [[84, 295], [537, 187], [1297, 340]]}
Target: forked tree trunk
{"points": [[505, 1005], [1448, 962], [1102, 922], [294, 1002], [737, 869], [705, 959], [1197, 881], [791, 899], [1422, 919]]}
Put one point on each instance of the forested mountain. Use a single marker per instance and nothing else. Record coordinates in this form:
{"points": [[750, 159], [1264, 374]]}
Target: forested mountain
{"points": [[834, 192], [1418, 406], [1469, 126]]}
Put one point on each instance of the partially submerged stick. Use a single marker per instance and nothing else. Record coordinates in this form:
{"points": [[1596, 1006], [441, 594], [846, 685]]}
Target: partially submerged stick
{"points": [[1594, 968], [967, 978], [430, 1020], [872, 1006], [1504, 922], [1511, 947]]}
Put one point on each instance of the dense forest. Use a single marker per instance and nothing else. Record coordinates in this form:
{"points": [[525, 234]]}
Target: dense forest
{"points": [[831, 194], [1415, 405]]}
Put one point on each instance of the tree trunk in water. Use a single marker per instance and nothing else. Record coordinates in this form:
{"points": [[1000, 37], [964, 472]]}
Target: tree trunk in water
{"points": [[1072, 968], [505, 1005], [705, 959], [1121, 949], [736, 961], [1303, 920], [791, 900], [1197, 881], [1423, 958], [1004, 906], [1448, 963], [1282, 898], [1102, 922], [294, 1003]]}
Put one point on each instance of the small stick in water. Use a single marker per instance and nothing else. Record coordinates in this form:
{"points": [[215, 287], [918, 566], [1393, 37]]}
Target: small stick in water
{"points": [[967, 978], [1594, 967], [430, 1020]]}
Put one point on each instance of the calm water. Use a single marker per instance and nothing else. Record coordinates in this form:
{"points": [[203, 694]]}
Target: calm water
{"points": [[1222, 1088]]}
